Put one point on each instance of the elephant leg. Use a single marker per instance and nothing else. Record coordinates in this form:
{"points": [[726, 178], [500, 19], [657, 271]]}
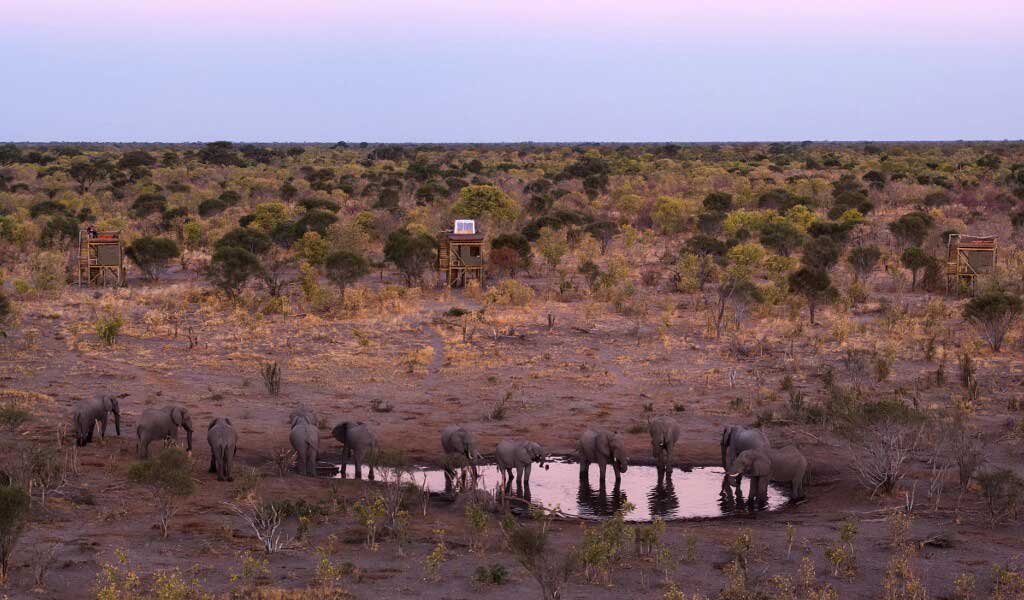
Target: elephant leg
{"points": [[89, 430], [519, 480], [762, 492], [103, 426], [312, 464], [344, 461], [371, 470], [798, 488], [584, 470], [227, 466], [526, 481], [602, 467], [213, 460], [357, 459]]}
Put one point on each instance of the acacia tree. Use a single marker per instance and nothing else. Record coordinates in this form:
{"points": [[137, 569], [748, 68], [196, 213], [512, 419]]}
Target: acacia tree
{"points": [[911, 228], [344, 268], [815, 286], [737, 287], [552, 245], [151, 254], [994, 314], [231, 268], [914, 259], [412, 252], [863, 259]]}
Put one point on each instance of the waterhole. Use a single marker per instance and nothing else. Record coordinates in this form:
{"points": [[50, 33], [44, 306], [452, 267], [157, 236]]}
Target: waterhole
{"points": [[694, 493]]}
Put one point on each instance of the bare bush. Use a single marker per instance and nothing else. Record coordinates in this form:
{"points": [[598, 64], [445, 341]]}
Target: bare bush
{"points": [[272, 378], [879, 456], [1003, 491], [265, 519], [967, 447], [533, 549]]}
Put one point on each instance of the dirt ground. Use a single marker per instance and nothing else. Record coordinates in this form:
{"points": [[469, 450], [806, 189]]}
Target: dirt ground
{"points": [[592, 368]]}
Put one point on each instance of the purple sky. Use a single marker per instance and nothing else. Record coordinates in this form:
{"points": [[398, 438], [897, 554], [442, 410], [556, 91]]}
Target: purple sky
{"points": [[461, 70]]}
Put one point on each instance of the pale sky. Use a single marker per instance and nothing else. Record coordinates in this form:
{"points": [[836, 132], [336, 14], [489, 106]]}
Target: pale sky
{"points": [[510, 70]]}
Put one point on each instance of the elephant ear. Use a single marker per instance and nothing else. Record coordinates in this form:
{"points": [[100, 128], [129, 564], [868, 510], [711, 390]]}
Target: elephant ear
{"points": [[761, 465], [176, 415], [227, 420], [108, 403], [726, 436], [212, 423], [339, 432]]}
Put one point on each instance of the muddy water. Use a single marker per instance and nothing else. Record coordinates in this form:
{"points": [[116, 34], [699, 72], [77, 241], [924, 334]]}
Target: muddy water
{"points": [[691, 494]]}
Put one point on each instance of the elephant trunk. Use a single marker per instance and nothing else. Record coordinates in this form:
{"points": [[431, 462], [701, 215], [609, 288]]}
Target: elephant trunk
{"points": [[188, 437], [117, 422]]}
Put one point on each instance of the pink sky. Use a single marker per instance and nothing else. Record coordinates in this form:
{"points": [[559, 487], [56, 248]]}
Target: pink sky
{"points": [[913, 19]]}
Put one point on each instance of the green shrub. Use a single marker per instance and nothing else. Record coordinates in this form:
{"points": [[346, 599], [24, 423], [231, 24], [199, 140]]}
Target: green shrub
{"points": [[494, 574], [169, 477], [108, 327]]}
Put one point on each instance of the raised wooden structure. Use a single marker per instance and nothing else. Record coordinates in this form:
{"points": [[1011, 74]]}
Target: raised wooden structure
{"points": [[100, 258], [968, 256], [460, 254]]}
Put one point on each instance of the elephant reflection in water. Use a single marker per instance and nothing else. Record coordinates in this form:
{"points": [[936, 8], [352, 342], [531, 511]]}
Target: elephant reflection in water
{"points": [[662, 499], [732, 499], [599, 502]]}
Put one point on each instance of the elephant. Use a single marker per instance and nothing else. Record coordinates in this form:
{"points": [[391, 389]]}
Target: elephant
{"points": [[766, 464], [356, 440], [87, 412], [459, 442], [518, 455], [305, 439], [735, 440], [223, 440], [602, 447], [305, 413], [665, 433], [162, 424]]}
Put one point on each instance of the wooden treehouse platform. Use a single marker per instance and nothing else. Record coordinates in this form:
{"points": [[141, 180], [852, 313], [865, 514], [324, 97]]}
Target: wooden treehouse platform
{"points": [[100, 258], [967, 257]]}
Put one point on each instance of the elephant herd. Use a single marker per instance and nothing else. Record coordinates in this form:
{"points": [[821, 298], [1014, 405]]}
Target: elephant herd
{"points": [[745, 451]]}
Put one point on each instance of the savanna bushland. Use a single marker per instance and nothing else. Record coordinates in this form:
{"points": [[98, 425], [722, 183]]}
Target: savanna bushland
{"points": [[797, 287]]}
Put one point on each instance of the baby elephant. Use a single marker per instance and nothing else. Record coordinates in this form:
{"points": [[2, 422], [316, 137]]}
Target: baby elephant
{"points": [[766, 464], [87, 412], [305, 439], [223, 442], [162, 424], [665, 433], [602, 447], [735, 440], [357, 439], [518, 455]]}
